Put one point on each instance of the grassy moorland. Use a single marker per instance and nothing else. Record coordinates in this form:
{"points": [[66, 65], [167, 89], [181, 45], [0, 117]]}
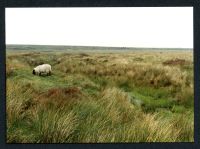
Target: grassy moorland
{"points": [[99, 95]]}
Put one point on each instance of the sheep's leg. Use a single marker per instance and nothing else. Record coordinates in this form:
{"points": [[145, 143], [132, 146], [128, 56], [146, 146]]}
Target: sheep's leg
{"points": [[48, 73], [39, 73]]}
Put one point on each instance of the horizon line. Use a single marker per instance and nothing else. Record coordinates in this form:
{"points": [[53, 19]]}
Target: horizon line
{"points": [[103, 46]]}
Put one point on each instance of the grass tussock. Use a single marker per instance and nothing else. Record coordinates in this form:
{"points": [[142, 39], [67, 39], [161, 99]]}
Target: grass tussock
{"points": [[53, 125]]}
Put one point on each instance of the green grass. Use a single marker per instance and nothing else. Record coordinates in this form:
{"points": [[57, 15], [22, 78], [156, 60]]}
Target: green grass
{"points": [[99, 99]]}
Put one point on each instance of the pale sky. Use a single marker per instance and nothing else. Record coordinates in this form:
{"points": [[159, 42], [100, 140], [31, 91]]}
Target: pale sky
{"points": [[169, 27]]}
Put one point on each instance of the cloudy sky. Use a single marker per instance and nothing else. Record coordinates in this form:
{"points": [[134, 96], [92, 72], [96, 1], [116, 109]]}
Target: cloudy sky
{"points": [[170, 27]]}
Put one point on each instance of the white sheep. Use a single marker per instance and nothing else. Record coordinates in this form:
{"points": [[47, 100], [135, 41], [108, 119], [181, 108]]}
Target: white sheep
{"points": [[44, 68]]}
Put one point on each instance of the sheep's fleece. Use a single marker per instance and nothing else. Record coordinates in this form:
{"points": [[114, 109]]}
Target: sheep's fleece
{"points": [[45, 68]]}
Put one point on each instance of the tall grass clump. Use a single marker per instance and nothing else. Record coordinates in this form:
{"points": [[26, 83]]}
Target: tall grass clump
{"points": [[53, 125], [16, 101], [17, 115], [185, 123]]}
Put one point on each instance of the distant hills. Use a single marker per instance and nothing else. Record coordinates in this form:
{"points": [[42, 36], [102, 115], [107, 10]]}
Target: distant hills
{"points": [[61, 47]]}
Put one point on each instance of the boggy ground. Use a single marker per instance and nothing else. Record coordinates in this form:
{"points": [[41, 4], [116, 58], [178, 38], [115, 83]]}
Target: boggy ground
{"points": [[138, 96]]}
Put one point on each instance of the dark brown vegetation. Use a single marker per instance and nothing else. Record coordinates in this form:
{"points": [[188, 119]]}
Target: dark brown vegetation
{"points": [[176, 61]]}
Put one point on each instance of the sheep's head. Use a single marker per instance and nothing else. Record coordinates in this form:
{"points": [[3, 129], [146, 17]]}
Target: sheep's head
{"points": [[34, 71]]}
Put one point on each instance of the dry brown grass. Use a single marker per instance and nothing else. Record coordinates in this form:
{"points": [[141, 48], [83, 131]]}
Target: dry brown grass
{"points": [[89, 97]]}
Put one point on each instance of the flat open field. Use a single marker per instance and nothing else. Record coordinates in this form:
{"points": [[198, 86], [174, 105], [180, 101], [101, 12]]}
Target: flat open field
{"points": [[99, 95]]}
